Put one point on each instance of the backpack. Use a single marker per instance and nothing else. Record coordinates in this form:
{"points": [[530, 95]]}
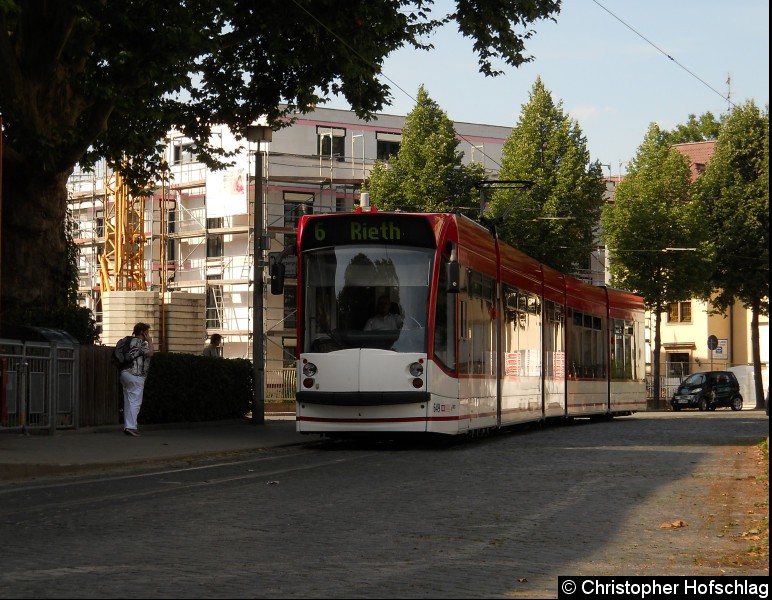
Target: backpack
{"points": [[121, 357]]}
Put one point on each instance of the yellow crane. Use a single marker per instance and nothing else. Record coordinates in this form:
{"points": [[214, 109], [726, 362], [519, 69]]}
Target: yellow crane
{"points": [[122, 262]]}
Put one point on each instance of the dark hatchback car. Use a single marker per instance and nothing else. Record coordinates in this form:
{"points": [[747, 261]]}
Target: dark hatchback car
{"points": [[708, 390]]}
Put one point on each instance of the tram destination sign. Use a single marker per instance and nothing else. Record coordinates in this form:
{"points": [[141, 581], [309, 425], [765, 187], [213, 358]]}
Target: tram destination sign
{"points": [[368, 228]]}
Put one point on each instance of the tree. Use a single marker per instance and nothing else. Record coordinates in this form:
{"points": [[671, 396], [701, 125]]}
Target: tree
{"points": [[734, 195], [651, 213], [696, 129], [427, 174], [81, 79], [555, 221]]}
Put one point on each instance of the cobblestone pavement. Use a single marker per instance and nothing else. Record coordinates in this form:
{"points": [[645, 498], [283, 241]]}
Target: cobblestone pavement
{"points": [[491, 518]]}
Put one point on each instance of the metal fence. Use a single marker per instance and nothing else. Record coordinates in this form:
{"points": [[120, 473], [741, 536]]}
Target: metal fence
{"points": [[673, 373], [40, 381], [56, 384], [280, 385]]}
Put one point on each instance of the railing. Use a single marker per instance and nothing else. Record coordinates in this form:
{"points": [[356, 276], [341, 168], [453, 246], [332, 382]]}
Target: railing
{"points": [[39, 383], [664, 393], [280, 385]]}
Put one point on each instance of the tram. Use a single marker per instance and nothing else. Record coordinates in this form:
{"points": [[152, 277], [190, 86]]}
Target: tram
{"points": [[477, 335]]}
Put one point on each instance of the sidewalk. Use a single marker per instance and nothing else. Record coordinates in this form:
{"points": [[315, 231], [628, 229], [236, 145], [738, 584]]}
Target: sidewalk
{"points": [[105, 449]]}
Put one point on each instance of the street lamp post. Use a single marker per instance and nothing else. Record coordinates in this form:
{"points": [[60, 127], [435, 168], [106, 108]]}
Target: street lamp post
{"points": [[257, 134]]}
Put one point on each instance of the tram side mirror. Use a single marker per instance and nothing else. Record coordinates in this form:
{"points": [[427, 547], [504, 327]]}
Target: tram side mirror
{"points": [[277, 278], [453, 277]]}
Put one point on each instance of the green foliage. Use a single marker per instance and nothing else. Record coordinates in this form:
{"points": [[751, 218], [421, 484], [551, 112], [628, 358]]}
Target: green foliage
{"points": [[653, 211], [734, 196], [188, 387], [427, 174], [83, 80], [125, 74], [555, 221], [696, 129]]}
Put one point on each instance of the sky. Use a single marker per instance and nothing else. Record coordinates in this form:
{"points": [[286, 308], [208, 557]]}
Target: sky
{"points": [[615, 65]]}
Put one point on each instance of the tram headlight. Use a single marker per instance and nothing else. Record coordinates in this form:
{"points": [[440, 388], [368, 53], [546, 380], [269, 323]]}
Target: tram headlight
{"points": [[416, 369], [309, 369]]}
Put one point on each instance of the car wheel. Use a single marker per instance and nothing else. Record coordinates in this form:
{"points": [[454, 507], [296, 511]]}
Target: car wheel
{"points": [[737, 403], [675, 407], [703, 403]]}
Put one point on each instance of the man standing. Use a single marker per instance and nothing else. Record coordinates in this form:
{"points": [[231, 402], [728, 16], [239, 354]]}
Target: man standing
{"points": [[213, 349], [133, 377]]}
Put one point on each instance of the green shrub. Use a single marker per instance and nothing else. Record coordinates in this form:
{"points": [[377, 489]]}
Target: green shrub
{"points": [[189, 387]]}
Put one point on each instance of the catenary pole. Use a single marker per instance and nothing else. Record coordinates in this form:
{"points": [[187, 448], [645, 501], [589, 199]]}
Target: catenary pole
{"points": [[258, 134]]}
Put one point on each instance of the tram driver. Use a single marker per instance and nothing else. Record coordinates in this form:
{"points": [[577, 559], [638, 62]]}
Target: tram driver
{"points": [[384, 318]]}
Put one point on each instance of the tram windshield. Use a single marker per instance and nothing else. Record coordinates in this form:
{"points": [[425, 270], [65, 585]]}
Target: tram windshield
{"points": [[366, 296]]}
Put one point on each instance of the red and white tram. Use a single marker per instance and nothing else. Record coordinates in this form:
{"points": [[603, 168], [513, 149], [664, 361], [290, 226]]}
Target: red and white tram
{"points": [[485, 337]]}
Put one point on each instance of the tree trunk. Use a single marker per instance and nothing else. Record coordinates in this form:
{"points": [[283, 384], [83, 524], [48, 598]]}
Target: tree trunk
{"points": [[34, 244], [756, 351], [655, 367]]}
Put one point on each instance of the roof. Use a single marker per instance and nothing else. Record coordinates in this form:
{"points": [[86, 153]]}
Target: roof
{"points": [[698, 153]]}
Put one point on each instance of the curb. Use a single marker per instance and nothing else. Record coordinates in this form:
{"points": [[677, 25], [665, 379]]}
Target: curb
{"points": [[16, 473]]}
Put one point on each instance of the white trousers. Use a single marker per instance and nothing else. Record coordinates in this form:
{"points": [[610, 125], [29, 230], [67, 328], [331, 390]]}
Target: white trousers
{"points": [[133, 387]]}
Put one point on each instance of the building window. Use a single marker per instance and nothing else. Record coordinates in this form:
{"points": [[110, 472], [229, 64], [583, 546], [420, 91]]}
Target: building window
{"points": [[215, 246], [331, 142], [182, 153], [295, 206], [387, 145], [677, 365], [680, 312], [100, 224], [290, 307], [171, 219]]}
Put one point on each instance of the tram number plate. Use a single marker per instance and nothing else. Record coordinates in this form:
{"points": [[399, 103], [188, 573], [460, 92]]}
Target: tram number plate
{"points": [[441, 408]]}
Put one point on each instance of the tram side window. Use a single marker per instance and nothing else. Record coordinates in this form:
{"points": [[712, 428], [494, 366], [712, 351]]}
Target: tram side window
{"points": [[522, 333], [554, 355], [587, 355], [624, 350], [575, 346], [629, 356], [478, 342], [639, 334], [515, 326], [445, 323], [533, 337], [599, 343]]}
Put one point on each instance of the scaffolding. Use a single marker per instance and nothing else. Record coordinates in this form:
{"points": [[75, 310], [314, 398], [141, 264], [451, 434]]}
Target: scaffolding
{"points": [[171, 240]]}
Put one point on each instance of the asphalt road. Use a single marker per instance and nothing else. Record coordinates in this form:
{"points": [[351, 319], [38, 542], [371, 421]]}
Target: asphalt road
{"points": [[498, 517]]}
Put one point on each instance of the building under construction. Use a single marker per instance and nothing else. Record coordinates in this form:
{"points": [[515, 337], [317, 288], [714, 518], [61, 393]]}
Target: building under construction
{"points": [[188, 246]]}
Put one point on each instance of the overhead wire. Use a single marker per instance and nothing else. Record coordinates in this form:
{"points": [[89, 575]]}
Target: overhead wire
{"points": [[653, 45], [380, 72]]}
